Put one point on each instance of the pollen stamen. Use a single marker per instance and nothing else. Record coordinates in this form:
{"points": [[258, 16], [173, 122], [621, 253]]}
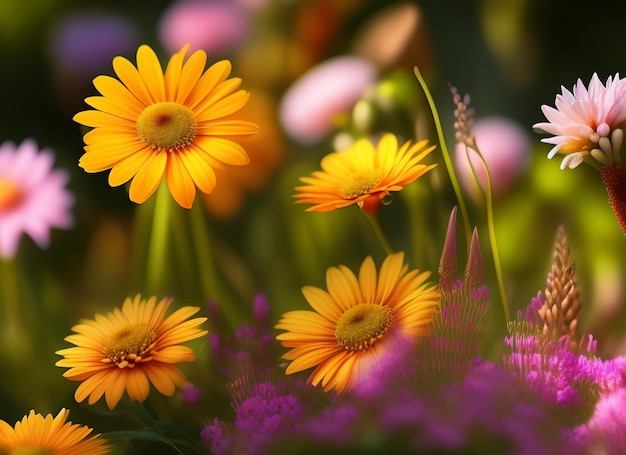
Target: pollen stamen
{"points": [[167, 126], [360, 184], [362, 325], [130, 346]]}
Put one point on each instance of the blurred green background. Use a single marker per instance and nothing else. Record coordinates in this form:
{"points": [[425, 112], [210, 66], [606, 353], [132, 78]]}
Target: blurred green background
{"points": [[510, 56]]}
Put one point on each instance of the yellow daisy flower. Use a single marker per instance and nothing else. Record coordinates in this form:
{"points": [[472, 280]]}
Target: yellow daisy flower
{"points": [[179, 124], [130, 348], [36, 434], [358, 321], [363, 174]]}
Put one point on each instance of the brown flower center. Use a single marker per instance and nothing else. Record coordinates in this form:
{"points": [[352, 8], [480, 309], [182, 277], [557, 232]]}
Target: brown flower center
{"points": [[167, 126], [129, 346], [10, 195], [360, 184], [358, 328]]}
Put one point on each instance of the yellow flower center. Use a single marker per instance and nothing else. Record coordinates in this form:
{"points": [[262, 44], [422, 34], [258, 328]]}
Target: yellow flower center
{"points": [[129, 346], [358, 328], [29, 451], [360, 184], [10, 194], [167, 126]]}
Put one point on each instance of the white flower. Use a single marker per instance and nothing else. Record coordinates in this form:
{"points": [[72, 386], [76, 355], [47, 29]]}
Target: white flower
{"points": [[587, 124]]}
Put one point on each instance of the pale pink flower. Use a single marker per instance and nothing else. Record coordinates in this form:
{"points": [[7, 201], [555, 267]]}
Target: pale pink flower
{"points": [[215, 26], [33, 197], [587, 123], [311, 105], [505, 147]]}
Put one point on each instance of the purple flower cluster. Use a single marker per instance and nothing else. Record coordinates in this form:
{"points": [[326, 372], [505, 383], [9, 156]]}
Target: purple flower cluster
{"points": [[546, 397], [259, 418], [483, 413], [567, 382]]}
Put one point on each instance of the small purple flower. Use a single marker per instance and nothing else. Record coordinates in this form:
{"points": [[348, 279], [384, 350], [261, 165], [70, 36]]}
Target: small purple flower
{"points": [[214, 436], [84, 42], [191, 394]]}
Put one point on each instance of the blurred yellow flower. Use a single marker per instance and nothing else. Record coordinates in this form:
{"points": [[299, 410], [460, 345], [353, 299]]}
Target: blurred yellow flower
{"points": [[36, 434], [266, 151], [358, 321], [130, 348], [178, 123], [363, 174]]}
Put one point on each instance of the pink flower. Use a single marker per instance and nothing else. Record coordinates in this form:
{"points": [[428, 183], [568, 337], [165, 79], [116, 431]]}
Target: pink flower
{"points": [[587, 124], [506, 149], [311, 105], [606, 427], [217, 27], [33, 197]]}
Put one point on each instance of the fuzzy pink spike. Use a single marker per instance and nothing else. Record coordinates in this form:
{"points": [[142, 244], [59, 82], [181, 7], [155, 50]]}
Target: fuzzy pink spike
{"points": [[447, 265], [614, 179], [474, 270]]}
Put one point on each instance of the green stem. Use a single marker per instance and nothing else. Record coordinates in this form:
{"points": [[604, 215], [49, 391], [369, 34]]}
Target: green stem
{"points": [[13, 333], [147, 417], [446, 156], [379, 232], [202, 248], [488, 195], [157, 250]]}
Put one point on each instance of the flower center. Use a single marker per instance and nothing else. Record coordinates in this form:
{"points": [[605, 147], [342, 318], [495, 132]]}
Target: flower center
{"points": [[130, 346], [10, 195], [360, 184], [359, 327], [166, 126], [29, 451]]}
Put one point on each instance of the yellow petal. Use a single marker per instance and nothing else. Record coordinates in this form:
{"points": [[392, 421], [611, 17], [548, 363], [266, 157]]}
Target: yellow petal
{"points": [[215, 75], [137, 384], [150, 70], [191, 73], [126, 169], [343, 287], [199, 169], [130, 77], [223, 150], [215, 107], [111, 107], [148, 177], [97, 119], [227, 128], [180, 182], [322, 302], [112, 88], [172, 73]]}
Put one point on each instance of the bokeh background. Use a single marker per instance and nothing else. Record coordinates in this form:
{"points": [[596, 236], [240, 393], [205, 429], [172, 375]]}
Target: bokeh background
{"points": [[510, 56]]}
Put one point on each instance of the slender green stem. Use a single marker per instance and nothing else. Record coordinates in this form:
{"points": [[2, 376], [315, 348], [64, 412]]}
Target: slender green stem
{"points": [[13, 333], [379, 232], [446, 157], [488, 195], [204, 255], [147, 417], [157, 250]]}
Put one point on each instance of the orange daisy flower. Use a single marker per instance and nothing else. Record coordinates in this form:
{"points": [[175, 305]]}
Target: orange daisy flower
{"points": [[178, 123], [36, 434], [363, 174], [130, 348], [358, 321]]}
